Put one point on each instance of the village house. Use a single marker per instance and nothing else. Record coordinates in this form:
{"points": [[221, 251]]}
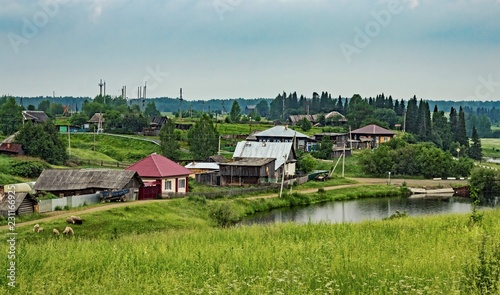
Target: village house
{"points": [[283, 134], [282, 152], [341, 142], [248, 171], [74, 182], [314, 119], [371, 136], [36, 117], [201, 167], [155, 126], [172, 177]]}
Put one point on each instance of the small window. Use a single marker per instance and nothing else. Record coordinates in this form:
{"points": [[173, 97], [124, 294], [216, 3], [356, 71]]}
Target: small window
{"points": [[182, 183], [168, 185]]}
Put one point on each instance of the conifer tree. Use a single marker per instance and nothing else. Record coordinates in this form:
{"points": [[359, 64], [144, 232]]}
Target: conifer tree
{"points": [[475, 151]]}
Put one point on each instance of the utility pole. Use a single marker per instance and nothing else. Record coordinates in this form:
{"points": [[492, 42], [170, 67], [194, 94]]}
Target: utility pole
{"points": [[283, 175]]}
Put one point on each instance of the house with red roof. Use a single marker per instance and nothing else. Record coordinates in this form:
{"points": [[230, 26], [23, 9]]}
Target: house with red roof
{"points": [[370, 136], [157, 168]]}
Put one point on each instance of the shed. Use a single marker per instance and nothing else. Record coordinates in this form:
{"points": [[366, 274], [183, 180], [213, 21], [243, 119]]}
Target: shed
{"points": [[248, 171], [24, 204], [71, 182]]}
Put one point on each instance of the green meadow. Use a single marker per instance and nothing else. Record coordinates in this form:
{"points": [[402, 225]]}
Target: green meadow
{"points": [[173, 247]]}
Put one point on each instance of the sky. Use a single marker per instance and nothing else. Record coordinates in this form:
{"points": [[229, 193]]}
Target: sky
{"points": [[436, 50]]}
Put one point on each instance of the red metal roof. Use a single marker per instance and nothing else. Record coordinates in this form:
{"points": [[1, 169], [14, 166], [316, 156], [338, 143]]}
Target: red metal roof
{"points": [[373, 130], [158, 166]]}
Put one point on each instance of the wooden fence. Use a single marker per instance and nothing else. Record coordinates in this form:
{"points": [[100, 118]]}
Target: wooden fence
{"points": [[91, 162]]}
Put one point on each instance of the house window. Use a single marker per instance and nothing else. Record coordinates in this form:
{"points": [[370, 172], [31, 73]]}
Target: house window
{"points": [[182, 183], [168, 185]]}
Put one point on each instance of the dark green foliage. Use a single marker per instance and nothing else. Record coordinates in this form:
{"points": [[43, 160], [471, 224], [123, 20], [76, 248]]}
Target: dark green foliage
{"points": [[475, 151], [43, 141], [413, 159], [235, 112], [358, 111], [169, 144], [225, 214], [305, 124], [28, 169], [305, 162], [78, 119], [10, 116], [397, 215], [461, 133], [151, 110], [485, 180], [325, 148], [203, 138], [262, 108]]}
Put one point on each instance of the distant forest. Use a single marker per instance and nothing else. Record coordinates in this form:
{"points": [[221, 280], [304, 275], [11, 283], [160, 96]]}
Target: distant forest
{"points": [[165, 104]]}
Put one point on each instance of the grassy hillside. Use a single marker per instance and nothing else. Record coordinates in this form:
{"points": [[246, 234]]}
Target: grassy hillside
{"points": [[491, 147], [6, 174], [115, 148], [170, 247]]}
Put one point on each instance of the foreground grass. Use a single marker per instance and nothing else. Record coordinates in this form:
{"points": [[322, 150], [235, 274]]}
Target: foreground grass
{"points": [[426, 255]]}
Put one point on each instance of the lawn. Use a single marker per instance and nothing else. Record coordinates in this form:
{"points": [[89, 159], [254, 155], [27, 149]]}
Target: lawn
{"points": [[491, 147]]}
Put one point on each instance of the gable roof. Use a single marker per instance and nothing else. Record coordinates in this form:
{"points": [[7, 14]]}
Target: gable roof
{"points": [[373, 129], [158, 166], [14, 148], [280, 131], [202, 165], [4, 204], [250, 162], [217, 159], [275, 150], [79, 179], [96, 118], [35, 116]]}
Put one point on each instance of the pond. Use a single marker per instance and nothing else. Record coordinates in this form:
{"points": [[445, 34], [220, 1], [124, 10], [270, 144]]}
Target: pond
{"points": [[359, 210]]}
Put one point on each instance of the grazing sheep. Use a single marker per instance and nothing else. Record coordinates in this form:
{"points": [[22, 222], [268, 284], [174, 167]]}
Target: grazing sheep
{"points": [[76, 220], [68, 231], [55, 232], [36, 227], [39, 229]]}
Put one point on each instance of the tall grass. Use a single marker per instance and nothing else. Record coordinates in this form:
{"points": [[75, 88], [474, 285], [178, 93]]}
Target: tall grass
{"points": [[426, 255]]}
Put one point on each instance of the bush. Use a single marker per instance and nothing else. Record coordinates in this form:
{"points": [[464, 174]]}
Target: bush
{"points": [[58, 208], [225, 214], [28, 169]]}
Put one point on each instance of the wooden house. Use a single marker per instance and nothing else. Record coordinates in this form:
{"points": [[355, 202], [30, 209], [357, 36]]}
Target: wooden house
{"points": [[73, 182], [36, 117], [11, 149], [283, 134], [282, 152], [340, 142], [201, 167], [172, 176], [370, 136], [155, 126], [247, 171]]}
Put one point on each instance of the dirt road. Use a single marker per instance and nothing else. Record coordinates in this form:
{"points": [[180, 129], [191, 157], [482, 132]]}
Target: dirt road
{"points": [[361, 181]]}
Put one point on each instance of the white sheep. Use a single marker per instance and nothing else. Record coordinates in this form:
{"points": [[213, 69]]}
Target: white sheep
{"points": [[68, 230], [76, 219], [39, 229], [55, 232], [36, 227]]}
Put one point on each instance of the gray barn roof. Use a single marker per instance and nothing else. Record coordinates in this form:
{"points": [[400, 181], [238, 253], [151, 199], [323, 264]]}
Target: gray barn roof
{"points": [[252, 149], [250, 162], [79, 179], [19, 199], [280, 131], [35, 116]]}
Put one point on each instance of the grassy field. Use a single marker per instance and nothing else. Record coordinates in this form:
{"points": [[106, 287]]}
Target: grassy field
{"points": [[491, 147], [115, 148], [171, 247], [6, 176]]}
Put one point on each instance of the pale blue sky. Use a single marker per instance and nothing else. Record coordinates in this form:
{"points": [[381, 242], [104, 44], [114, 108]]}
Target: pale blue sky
{"points": [[252, 48]]}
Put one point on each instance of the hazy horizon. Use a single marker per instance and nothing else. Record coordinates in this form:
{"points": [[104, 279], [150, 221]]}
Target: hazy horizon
{"points": [[221, 49]]}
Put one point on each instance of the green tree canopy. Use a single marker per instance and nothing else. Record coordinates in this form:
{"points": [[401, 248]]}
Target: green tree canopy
{"points": [[169, 145], [475, 151], [235, 112], [151, 110], [203, 138], [11, 117], [43, 141]]}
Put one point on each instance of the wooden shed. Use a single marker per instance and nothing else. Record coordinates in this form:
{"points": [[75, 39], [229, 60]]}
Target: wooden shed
{"points": [[73, 182], [24, 204], [247, 171]]}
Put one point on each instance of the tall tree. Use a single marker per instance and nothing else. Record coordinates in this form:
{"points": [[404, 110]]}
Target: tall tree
{"points": [[262, 108], [235, 112], [461, 135], [11, 117], [441, 131], [43, 141], [151, 110], [454, 123], [169, 145], [203, 138], [412, 116], [358, 111], [475, 151]]}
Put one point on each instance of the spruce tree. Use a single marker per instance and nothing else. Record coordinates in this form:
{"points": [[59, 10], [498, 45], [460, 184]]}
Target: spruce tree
{"points": [[169, 145], [475, 151], [461, 131]]}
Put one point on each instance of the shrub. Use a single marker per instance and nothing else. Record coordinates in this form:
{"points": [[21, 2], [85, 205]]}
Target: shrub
{"points": [[225, 214], [28, 169], [197, 199], [58, 208]]}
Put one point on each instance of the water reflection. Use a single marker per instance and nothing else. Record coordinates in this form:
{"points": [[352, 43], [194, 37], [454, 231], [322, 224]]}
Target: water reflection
{"points": [[360, 210]]}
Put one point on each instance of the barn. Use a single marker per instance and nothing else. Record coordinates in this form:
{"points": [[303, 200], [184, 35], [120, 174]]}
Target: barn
{"points": [[74, 182], [24, 204]]}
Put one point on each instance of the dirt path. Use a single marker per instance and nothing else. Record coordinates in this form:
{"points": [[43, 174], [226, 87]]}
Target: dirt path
{"points": [[361, 181]]}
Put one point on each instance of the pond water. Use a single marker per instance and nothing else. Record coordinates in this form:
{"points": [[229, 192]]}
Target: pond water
{"points": [[359, 210]]}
